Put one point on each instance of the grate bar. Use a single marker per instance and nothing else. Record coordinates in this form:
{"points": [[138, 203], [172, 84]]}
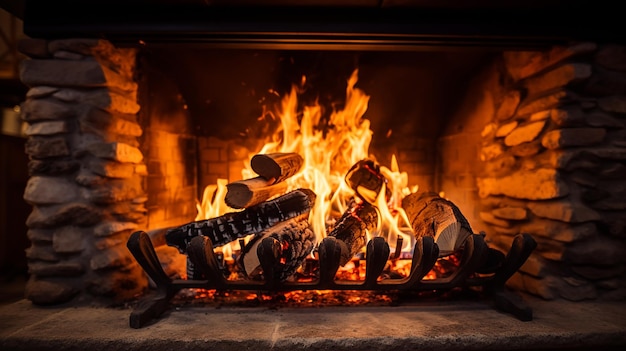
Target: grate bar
{"points": [[425, 254]]}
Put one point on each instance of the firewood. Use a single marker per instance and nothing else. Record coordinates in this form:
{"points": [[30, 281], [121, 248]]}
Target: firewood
{"points": [[351, 229], [253, 191], [277, 167], [434, 216], [365, 178], [234, 225], [294, 240]]}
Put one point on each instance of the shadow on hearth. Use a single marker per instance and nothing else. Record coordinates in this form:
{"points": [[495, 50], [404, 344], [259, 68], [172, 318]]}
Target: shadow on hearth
{"points": [[13, 209], [12, 287]]}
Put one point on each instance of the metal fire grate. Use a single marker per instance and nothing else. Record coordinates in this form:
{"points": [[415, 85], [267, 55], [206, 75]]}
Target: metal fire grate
{"points": [[475, 254]]}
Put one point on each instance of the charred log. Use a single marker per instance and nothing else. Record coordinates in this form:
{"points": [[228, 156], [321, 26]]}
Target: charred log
{"points": [[249, 258], [249, 192], [283, 250], [231, 226], [276, 167], [351, 229], [365, 178], [434, 216]]}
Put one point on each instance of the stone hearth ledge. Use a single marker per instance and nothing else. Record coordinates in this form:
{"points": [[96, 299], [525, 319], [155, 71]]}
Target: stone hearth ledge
{"points": [[431, 326]]}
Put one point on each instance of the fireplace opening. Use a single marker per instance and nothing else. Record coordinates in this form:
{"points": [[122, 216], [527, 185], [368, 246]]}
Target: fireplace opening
{"points": [[125, 138], [236, 103]]}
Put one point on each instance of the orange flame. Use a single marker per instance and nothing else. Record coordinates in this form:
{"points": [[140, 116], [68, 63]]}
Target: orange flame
{"points": [[328, 155]]}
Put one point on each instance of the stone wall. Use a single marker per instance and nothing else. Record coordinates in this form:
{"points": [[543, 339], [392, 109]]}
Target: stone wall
{"points": [[86, 170], [553, 160]]}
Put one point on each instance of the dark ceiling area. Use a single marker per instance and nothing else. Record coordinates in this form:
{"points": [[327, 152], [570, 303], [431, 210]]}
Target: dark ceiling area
{"points": [[402, 23]]}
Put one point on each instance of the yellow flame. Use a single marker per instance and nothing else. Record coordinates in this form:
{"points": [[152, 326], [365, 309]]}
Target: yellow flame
{"points": [[213, 205], [395, 221], [329, 151]]}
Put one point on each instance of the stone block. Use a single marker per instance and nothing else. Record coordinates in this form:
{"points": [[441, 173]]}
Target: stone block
{"points": [[41, 190], [524, 133], [567, 116], [58, 269], [111, 258], [33, 47], [604, 82], [539, 116], [52, 167], [541, 184], [97, 120], [67, 55], [88, 74], [40, 236], [611, 56], [42, 252], [82, 46], [111, 169], [117, 151], [512, 213], [559, 231], [488, 217], [47, 147], [49, 291], [527, 149], [537, 104], [75, 213], [506, 129], [69, 239], [509, 104], [557, 77], [40, 91], [46, 128], [563, 210], [34, 110], [111, 228], [597, 251], [571, 137], [491, 151], [523, 64], [615, 103], [601, 119]]}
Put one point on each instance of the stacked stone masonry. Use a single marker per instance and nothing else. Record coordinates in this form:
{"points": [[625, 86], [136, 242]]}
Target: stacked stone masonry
{"points": [[86, 170], [554, 166]]}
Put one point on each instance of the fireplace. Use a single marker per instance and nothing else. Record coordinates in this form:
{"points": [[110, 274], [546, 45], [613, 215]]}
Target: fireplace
{"points": [[130, 120]]}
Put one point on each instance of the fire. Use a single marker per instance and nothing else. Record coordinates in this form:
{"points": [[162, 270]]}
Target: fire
{"points": [[329, 151]]}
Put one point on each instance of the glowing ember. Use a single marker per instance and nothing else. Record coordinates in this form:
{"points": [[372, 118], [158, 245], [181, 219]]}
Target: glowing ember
{"points": [[298, 298]]}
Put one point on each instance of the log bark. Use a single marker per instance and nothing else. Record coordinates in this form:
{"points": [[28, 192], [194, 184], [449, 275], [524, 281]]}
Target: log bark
{"points": [[365, 178], [276, 167], [351, 229], [249, 192], [234, 225], [294, 241], [434, 216]]}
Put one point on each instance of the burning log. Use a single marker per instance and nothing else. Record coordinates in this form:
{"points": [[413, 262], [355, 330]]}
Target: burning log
{"points": [[366, 180], [351, 229], [283, 247], [250, 192], [276, 167], [434, 216], [231, 226]]}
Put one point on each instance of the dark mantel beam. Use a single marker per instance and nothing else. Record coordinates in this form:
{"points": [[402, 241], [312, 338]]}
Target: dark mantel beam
{"points": [[387, 23]]}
